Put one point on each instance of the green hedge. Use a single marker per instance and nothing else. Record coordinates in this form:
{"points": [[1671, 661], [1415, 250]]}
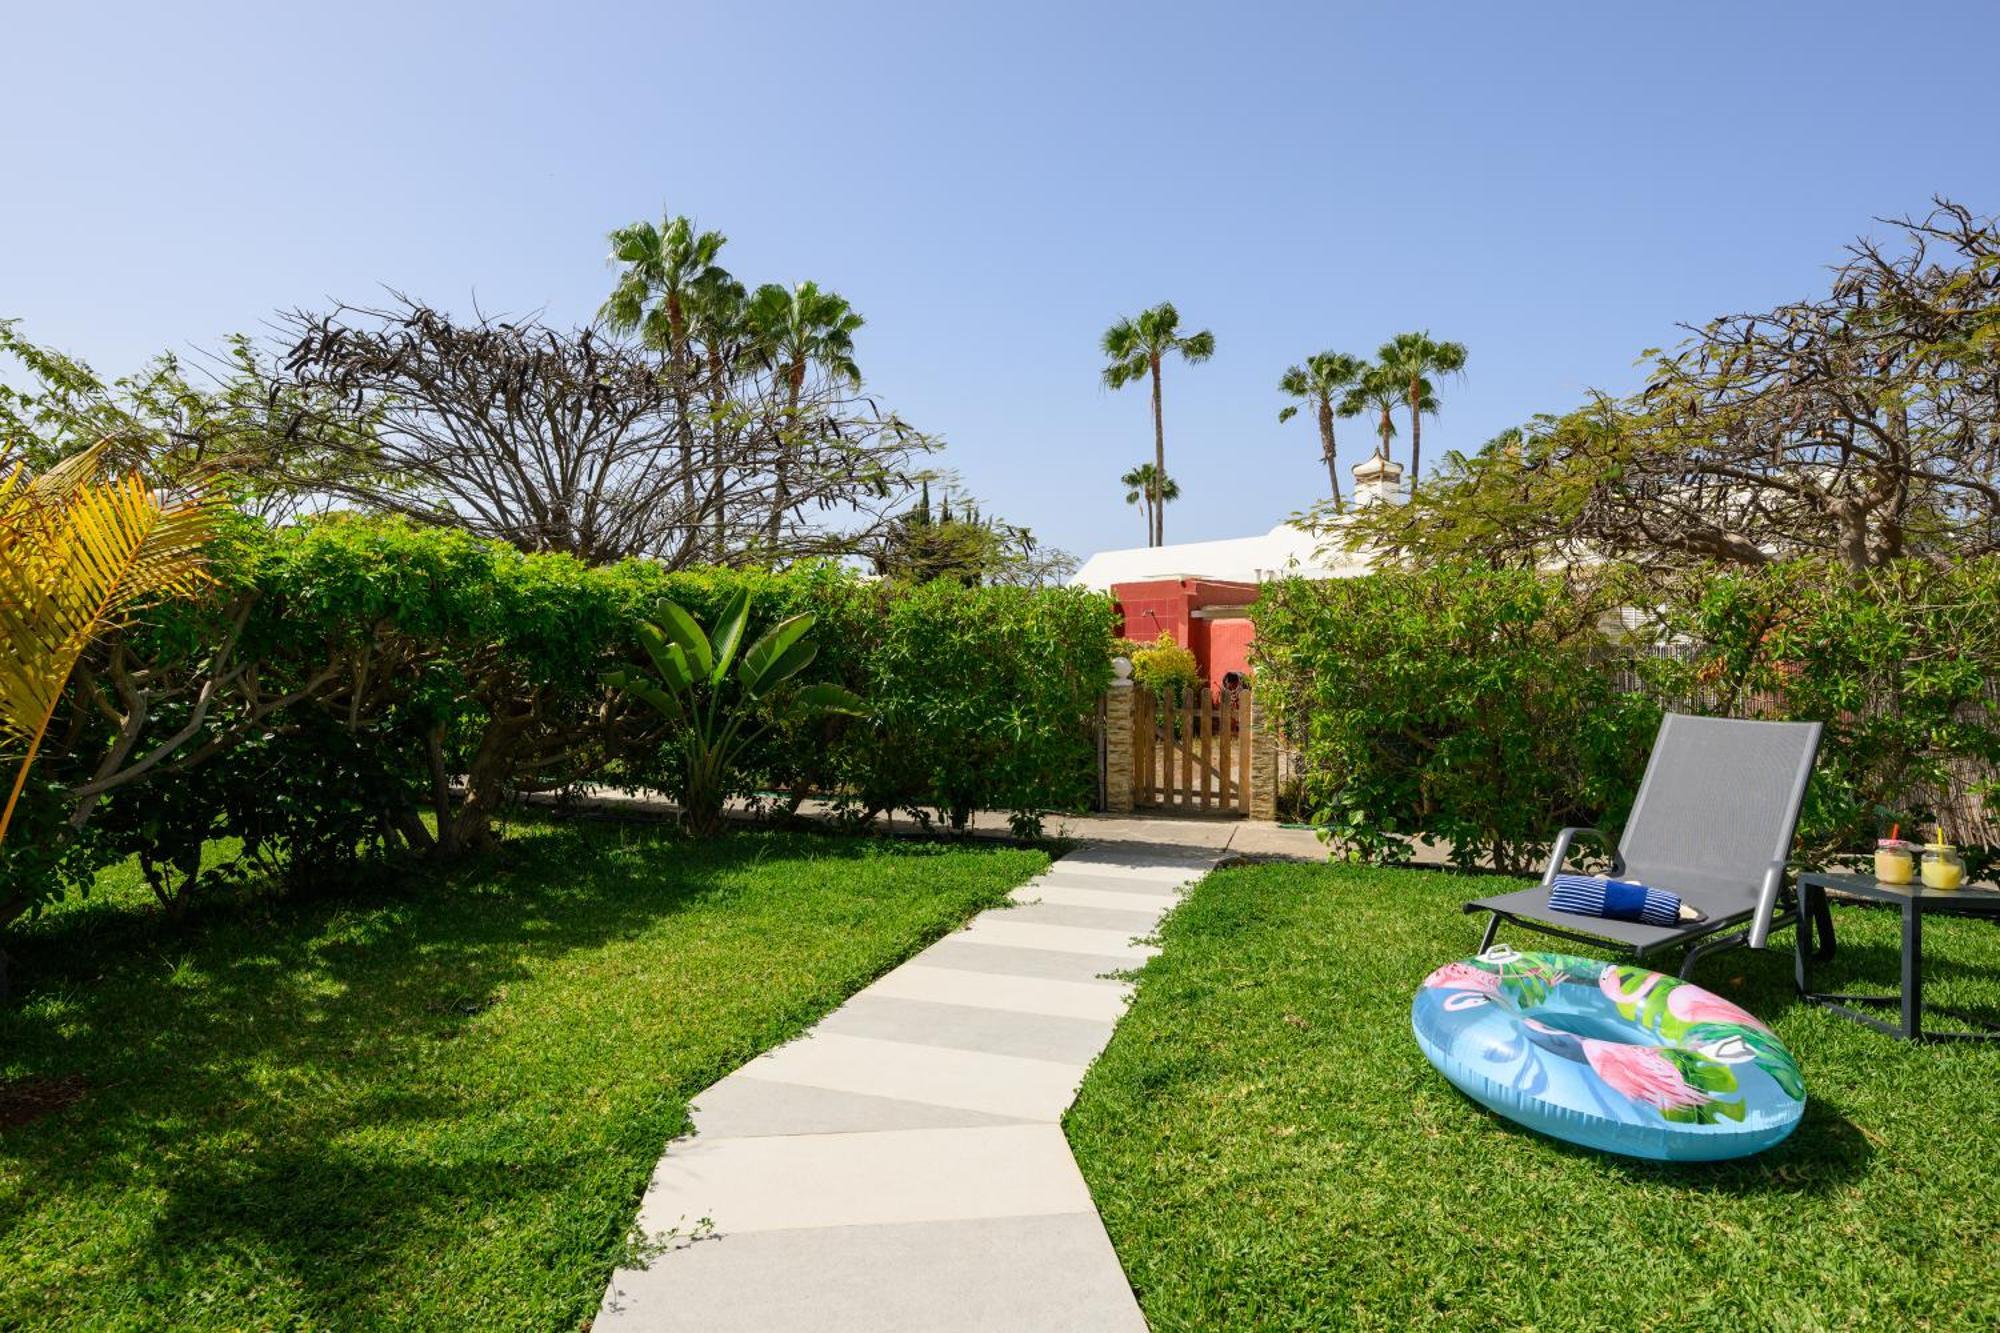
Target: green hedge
{"points": [[428, 655], [1491, 707], [1458, 703]]}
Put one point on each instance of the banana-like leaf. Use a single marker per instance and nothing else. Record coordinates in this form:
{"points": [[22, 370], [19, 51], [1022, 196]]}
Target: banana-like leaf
{"points": [[796, 659], [771, 646], [683, 629], [729, 634], [668, 658], [646, 692], [829, 699]]}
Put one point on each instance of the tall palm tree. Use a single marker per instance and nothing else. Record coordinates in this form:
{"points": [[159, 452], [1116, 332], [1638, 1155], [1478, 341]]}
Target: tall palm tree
{"points": [[1381, 390], [721, 314], [798, 331], [668, 271], [668, 283], [1321, 380], [1135, 347], [1141, 489], [1415, 357]]}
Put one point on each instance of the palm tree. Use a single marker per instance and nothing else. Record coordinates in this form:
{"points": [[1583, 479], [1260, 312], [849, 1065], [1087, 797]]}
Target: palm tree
{"points": [[669, 283], [1136, 347], [77, 553], [1140, 489], [721, 316], [797, 331], [1318, 382], [669, 271], [1380, 390], [1414, 358]]}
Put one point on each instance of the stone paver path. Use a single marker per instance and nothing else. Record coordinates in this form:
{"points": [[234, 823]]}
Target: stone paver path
{"points": [[901, 1166]]}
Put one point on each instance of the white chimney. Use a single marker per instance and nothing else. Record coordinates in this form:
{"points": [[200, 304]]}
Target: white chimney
{"points": [[1378, 480]]}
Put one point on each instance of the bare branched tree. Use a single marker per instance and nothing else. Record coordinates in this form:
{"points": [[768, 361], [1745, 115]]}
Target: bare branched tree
{"points": [[579, 442], [1863, 425]]}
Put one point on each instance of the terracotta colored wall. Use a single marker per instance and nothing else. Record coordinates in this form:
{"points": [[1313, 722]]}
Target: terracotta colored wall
{"points": [[1155, 605], [1229, 647]]}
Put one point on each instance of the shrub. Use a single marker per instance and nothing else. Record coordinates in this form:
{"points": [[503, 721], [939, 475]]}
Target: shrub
{"points": [[1491, 707], [1464, 704], [1901, 664], [1162, 666], [986, 698], [345, 673]]}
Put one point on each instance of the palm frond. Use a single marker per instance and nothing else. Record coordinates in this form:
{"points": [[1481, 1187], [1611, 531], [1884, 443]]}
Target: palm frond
{"points": [[79, 555]]}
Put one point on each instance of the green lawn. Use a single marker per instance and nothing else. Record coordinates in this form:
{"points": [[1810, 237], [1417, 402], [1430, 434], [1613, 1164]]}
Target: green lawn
{"points": [[425, 1104], [1271, 1150]]}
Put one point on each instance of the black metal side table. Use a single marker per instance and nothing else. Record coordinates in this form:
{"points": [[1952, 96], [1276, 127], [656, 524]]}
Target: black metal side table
{"points": [[1916, 902]]}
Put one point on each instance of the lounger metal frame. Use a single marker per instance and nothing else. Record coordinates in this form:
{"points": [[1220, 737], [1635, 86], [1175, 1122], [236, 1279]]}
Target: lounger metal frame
{"points": [[1713, 822]]}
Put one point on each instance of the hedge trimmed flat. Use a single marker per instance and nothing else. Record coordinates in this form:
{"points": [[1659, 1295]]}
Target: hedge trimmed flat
{"points": [[1611, 1057]]}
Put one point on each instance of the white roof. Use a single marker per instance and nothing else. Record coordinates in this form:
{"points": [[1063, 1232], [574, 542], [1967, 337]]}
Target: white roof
{"points": [[1284, 550]]}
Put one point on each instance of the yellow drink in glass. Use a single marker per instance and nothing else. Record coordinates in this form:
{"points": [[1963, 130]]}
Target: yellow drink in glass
{"points": [[1942, 867], [1895, 861]]}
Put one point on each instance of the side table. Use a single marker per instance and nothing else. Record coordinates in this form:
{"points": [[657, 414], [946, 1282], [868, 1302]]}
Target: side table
{"points": [[1916, 902]]}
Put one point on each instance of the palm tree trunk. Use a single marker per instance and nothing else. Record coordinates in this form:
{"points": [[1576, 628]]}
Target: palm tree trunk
{"points": [[781, 497], [1326, 449], [1416, 432], [1159, 464]]}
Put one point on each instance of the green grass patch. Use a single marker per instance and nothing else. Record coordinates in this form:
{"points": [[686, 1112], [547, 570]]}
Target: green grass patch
{"points": [[420, 1104], [1271, 1150]]}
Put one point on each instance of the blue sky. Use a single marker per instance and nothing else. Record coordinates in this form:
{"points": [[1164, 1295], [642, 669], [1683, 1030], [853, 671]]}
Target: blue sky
{"points": [[1554, 185]]}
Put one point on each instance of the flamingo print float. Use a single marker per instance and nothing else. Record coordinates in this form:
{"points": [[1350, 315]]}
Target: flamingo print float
{"points": [[1612, 1057]]}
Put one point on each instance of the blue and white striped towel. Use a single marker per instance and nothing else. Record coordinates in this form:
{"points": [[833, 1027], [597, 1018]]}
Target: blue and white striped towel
{"points": [[1619, 899]]}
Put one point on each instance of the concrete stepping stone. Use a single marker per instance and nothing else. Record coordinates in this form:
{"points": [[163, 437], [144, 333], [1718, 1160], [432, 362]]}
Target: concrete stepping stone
{"points": [[1052, 1273], [972, 956], [1103, 1000], [962, 1027], [740, 1107]]}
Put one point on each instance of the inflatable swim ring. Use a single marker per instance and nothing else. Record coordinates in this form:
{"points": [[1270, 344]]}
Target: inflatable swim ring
{"points": [[1611, 1057]]}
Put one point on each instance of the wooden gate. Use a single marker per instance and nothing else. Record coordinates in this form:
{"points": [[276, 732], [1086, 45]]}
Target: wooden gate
{"points": [[1191, 750]]}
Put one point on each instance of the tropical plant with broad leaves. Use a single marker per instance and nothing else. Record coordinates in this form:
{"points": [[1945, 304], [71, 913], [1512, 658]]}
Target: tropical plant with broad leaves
{"points": [[1133, 349], [1145, 487], [1412, 359], [78, 552], [721, 713], [1319, 384]]}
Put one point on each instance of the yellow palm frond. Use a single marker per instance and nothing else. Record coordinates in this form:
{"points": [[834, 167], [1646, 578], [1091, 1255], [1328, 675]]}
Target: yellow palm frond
{"points": [[76, 555]]}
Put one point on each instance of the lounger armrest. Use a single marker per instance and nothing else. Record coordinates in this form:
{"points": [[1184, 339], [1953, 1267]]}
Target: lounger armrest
{"points": [[1767, 904], [1561, 851]]}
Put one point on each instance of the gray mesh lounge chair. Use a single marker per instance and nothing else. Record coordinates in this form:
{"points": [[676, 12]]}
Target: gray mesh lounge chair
{"points": [[1713, 822]]}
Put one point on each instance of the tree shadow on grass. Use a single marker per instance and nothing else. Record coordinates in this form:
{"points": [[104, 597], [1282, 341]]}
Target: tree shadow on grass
{"points": [[244, 1064]]}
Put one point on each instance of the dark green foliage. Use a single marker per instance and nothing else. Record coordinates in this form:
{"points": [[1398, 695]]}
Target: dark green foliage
{"points": [[986, 698], [1462, 703], [357, 668], [1271, 1150], [1901, 663], [1486, 707]]}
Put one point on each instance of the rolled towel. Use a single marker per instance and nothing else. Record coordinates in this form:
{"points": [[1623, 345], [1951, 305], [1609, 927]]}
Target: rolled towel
{"points": [[1618, 899]]}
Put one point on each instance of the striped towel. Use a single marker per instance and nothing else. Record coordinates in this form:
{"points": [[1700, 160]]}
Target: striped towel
{"points": [[1619, 899]]}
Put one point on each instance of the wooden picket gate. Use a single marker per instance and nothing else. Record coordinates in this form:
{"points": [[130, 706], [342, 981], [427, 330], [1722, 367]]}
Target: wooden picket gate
{"points": [[1191, 750]]}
